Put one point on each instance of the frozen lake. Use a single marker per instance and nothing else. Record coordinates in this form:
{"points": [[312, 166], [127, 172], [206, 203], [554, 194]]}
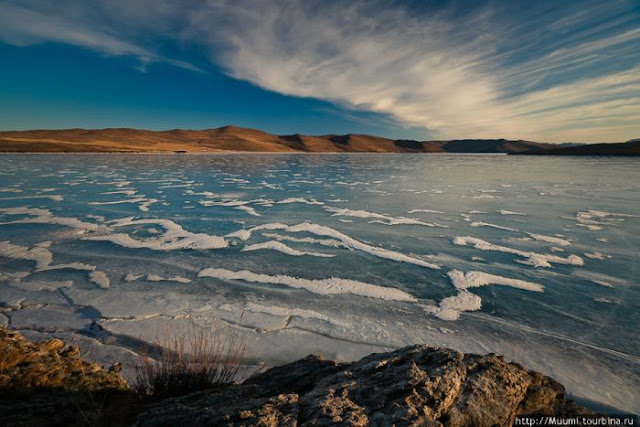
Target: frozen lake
{"points": [[535, 258]]}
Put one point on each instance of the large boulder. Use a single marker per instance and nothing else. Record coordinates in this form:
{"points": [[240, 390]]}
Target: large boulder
{"points": [[49, 384], [417, 385]]}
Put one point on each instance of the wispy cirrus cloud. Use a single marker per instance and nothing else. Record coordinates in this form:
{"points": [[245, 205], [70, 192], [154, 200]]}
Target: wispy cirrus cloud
{"points": [[37, 22], [537, 70], [462, 75]]}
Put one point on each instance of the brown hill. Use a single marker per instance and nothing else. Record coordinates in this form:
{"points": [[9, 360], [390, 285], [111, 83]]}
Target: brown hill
{"points": [[233, 138], [630, 148]]}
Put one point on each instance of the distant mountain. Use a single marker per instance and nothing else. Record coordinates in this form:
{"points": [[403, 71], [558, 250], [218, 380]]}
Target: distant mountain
{"points": [[630, 148], [233, 138]]}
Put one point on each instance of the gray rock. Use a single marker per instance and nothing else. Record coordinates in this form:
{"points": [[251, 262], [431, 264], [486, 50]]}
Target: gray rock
{"points": [[416, 385]]}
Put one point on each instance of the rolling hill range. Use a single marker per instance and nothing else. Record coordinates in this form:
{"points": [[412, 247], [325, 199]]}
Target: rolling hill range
{"points": [[237, 139], [629, 148]]}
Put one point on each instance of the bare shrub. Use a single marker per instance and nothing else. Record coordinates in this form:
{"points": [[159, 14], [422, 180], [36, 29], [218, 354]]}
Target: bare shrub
{"points": [[196, 360]]}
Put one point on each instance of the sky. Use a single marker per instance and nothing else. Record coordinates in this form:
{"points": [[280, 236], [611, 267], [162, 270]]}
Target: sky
{"points": [[550, 71]]}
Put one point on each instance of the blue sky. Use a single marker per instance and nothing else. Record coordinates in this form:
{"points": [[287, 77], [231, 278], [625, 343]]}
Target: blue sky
{"points": [[547, 70]]}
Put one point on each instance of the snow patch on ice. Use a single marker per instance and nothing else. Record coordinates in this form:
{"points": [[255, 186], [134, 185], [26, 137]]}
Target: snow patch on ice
{"points": [[156, 278], [597, 255], [594, 219], [532, 258], [549, 239], [143, 201], [10, 190], [349, 242], [125, 192], [474, 279], [175, 237], [329, 286], [505, 212], [236, 204], [100, 279], [424, 211], [385, 219], [486, 224], [323, 242], [44, 216], [281, 247], [42, 256], [451, 307], [300, 200], [54, 197]]}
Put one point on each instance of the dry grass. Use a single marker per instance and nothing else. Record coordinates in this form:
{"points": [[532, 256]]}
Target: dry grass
{"points": [[196, 360]]}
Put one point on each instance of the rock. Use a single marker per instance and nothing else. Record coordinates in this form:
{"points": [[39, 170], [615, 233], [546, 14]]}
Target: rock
{"points": [[45, 384], [417, 385]]}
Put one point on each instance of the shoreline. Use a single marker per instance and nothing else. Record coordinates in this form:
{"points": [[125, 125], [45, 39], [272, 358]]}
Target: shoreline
{"points": [[434, 383]]}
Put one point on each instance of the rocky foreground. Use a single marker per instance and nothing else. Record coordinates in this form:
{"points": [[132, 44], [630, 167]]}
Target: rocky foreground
{"points": [[48, 384]]}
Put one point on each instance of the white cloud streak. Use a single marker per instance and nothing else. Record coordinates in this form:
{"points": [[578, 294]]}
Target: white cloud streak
{"points": [[438, 72], [558, 76], [23, 26]]}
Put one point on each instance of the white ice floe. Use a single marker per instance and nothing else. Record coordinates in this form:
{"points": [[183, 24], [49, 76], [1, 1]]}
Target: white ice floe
{"points": [[174, 237], [597, 255], [54, 197], [603, 214], [247, 209], [131, 277], [236, 204], [69, 266], [328, 286], [533, 258], [594, 219], [10, 190], [474, 279], [505, 212], [281, 247], [239, 234], [384, 219], [486, 224], [349, 242], [266, 184], [118, 184], [125, 192], [451, 307], [236, 180], [207, 194], [323, 242], [352, 184], [424, 211], [143, 201], [44, 216], [300, 200], [228, 203], [549, 239], [156, 278], [42, 256], [100, 279], [484, 196]]}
